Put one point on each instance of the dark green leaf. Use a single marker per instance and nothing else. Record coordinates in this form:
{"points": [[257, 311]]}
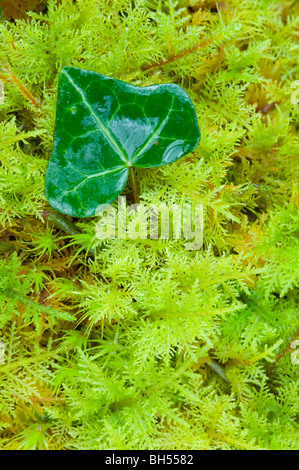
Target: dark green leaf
{"points": [[105, 126]]}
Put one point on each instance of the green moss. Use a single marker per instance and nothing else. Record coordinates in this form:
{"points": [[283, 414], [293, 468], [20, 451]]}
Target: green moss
{"points": [[146, 345]]}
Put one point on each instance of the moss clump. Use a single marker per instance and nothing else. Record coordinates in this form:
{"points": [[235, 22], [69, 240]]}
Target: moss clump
{"points": [[146, 345]]}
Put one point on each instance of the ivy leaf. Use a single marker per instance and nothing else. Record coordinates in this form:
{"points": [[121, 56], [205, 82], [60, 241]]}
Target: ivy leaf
{"points": [[103, 127]]}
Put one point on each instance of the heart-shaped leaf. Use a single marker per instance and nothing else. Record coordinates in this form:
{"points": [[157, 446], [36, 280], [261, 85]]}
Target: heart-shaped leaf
{"points": [[103, 127]]}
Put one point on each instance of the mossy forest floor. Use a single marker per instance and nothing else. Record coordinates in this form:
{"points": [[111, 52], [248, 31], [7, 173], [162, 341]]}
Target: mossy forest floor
{"points": [[147, 345]]}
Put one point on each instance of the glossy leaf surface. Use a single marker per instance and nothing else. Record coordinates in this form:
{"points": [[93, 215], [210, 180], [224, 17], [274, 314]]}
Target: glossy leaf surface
{"points": [[105, 126]]}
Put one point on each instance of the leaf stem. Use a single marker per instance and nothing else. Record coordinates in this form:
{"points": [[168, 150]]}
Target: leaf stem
{"points": [[134, 185]]}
